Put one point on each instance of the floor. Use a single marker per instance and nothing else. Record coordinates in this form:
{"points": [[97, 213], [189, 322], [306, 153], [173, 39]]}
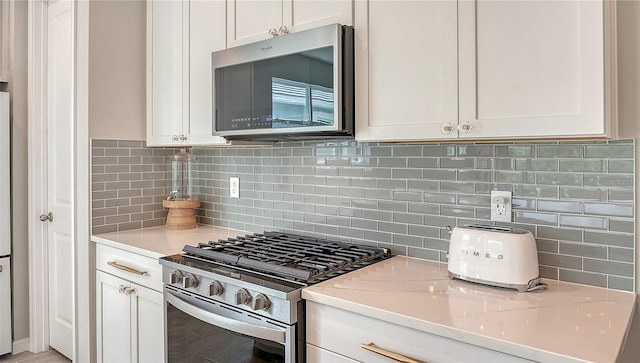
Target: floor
{"points": [[28, 357]]}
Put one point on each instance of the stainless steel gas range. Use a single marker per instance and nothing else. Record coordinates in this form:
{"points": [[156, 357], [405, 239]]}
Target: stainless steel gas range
{"points": [[238, 300]]}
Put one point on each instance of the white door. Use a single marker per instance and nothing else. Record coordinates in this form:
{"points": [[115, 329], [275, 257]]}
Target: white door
{"points": [[406, 70], [532, 68], [60, 124], [113, 320], [148, 330], [250, 20], [167, 72], [207, 33], [301, 15]]}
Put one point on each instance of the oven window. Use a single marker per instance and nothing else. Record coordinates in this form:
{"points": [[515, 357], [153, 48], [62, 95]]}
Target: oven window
{"points": [[193, 340]]}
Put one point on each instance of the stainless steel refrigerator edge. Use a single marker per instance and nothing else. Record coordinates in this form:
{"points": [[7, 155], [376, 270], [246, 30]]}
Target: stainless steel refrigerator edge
{"points": [[5, 228]]}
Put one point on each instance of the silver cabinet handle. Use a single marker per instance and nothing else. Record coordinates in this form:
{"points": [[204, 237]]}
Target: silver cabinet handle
{"points": [[0, 268], [46, 217], [273, 32], [283, 30], [446, 128], [126, 290], [391, 355], [465, 127], [183, 138], [126, 268], [175, 138]]}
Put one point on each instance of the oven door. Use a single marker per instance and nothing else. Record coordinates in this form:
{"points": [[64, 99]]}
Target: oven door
{"points": [[198, 329]]}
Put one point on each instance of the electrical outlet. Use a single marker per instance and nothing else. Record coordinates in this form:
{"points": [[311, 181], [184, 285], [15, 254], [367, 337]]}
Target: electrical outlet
{"points": [[234, 187], [500, 206]]}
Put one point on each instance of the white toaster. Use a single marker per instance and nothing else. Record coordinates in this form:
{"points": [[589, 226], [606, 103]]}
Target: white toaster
{"points": [[492, 255]]}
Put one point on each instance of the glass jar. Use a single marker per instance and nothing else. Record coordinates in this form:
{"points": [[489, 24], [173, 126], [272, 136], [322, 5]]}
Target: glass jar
{"points": [[181, 174]]}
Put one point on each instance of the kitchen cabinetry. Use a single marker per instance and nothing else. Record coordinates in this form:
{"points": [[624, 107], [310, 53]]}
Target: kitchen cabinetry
{"points": [[323, 344], [484, 69], [253, 20], [129, 307], [180, 38]]}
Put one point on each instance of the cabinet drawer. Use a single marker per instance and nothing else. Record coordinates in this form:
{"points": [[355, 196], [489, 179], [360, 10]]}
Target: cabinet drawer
{"points": [[128, 266], [323, 321], [319, 355]]}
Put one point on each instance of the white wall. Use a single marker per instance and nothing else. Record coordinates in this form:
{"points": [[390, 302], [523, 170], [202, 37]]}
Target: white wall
{"points": [[117, 48], [629, 89], [18, 90], [629, 116]]}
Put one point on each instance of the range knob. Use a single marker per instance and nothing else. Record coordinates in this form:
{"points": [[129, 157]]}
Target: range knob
{"points": [[175, 277], [243, 297], [189, 281], [261, 302], [215, 288]]}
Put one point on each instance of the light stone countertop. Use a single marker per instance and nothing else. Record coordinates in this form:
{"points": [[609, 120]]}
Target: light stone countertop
{"points": [[156, 242], [565, 323]]}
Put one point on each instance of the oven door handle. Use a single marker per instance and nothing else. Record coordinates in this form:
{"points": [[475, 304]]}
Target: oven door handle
{"points": [[274, 335]]}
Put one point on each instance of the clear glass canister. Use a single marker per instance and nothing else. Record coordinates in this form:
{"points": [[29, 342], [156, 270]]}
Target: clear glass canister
{"points": [[181, 174]]}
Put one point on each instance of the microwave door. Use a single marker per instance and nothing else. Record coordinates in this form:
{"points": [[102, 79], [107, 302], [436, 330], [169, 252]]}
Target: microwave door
{"points": [[233, 97]]}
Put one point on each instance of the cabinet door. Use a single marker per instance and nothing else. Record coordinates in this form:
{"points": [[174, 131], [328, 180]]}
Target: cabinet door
{"points": [[306, 14], [532, 68], [319, 355], [207, 33], [250, 20], [113, 320], [167, 71], [148, 327], [406, 70]]}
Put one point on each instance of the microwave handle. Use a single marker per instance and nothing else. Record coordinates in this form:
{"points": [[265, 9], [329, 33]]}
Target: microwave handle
{"points": [[274, 335]]}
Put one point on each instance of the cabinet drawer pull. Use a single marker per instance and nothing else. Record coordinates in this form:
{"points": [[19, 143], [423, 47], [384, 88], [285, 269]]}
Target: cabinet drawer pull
{"points": [[126, 268], [391, 355]]}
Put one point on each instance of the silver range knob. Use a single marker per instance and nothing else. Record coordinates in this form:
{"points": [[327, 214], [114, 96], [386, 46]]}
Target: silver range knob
{"points": [[215, 288], [189, 281], [175, 277], [261, 302], [243, 297]]}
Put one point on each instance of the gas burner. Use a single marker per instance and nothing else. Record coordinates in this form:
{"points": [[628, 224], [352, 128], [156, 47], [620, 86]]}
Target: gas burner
{"points": [[289, 256]]}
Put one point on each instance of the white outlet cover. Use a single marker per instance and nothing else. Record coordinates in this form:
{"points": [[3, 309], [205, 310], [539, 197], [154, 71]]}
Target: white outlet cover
{"points": [[234, 187], [500, 206]]}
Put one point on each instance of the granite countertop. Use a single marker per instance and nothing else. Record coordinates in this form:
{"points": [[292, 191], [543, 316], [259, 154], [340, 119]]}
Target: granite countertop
{"points": [[565, 323], [156, 242]]}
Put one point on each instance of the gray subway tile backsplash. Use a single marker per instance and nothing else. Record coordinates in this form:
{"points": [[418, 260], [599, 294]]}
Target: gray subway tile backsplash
{"points": [[576, 197]]}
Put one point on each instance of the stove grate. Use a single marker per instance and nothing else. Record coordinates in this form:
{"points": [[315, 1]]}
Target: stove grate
{"points": [[286, 255]]}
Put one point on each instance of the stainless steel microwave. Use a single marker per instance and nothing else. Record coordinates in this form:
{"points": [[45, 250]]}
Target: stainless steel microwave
{"points": [[299, 86]]}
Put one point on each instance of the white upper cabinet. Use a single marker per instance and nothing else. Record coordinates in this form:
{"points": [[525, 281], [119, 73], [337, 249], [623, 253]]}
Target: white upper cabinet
{"points": [[207, 27], [406, 70], [253, 20], [533, 68], [180, 38], [165, 68], [507, 69], [301, 15]]}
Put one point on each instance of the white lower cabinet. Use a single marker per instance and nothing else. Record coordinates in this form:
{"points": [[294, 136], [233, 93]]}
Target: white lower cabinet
{"points": [[324, 345], [129, 315]]}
